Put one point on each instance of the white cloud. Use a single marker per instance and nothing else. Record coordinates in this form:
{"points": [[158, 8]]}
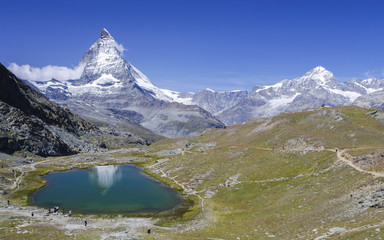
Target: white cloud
{"points": [[375, 73], [370, 73], [46, 73], [120, 48]]}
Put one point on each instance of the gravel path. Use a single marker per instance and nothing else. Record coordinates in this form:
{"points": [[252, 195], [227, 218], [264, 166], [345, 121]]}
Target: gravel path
{"points": [[340, 156]]}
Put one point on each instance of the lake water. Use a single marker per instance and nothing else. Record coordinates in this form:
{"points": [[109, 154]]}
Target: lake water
{"points": [[105, 189]]}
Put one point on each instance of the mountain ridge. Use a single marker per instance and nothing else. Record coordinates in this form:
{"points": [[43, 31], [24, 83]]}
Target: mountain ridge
{"points": [[110, 82]]}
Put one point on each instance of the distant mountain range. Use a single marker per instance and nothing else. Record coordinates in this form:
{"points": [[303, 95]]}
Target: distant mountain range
{"points": [[315, 88], [112, 91]]}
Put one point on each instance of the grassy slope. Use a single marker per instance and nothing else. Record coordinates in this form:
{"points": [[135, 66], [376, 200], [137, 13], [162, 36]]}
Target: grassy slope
{"points": [[307, 206]]}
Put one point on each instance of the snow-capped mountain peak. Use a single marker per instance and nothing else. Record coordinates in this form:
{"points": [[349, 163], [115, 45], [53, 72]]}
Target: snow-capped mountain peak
{"points": [[106, 44], [319, 69], [319, 76], [104, 62], [103, 57]]}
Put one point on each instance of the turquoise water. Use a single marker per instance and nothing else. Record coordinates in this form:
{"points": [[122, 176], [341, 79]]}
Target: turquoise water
{"points": [[105, 189]]}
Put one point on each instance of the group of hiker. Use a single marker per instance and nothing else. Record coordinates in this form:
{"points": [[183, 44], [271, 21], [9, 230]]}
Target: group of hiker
{"points": [[56, 210]]}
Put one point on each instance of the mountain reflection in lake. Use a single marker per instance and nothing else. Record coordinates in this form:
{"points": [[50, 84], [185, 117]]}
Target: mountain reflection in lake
{"points": [[105, 176], [105, 189]]}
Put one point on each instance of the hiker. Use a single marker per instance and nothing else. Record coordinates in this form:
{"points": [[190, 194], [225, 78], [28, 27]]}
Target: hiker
{"points": [[70, 213], [8, 202], [149, 231], [85, 223], [335, 149], [32, 214]]}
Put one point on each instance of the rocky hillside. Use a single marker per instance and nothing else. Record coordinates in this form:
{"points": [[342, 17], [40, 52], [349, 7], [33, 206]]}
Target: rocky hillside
{"points": [[32, 123]]}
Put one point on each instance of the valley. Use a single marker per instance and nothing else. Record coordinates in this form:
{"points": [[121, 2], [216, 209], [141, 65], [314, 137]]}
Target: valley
{"points": [[276, 178]]}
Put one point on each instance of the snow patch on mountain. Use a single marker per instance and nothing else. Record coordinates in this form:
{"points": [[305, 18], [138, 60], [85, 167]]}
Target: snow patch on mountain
{"points": [[368, 82], [144, 82], [176, 97], [43, 85], [282, 101], [348, 94], [107, 80], [106, 84]]}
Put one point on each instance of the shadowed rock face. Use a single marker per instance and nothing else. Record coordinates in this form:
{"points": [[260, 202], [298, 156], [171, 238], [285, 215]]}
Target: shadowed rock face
{"points": [[30, 122]]}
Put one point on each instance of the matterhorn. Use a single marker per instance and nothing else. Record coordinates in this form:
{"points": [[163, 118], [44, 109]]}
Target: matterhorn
{"points": [[110, 91]]}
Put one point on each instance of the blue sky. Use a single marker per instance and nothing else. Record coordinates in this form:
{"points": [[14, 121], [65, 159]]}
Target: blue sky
{"points": [[192, 45]]}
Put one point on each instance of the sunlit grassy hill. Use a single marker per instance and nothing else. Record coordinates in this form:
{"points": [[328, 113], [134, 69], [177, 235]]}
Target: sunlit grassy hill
{"points": [[285, 179]]}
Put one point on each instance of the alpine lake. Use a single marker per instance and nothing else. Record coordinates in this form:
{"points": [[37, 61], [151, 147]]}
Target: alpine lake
{"points": [[113, 189]]}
